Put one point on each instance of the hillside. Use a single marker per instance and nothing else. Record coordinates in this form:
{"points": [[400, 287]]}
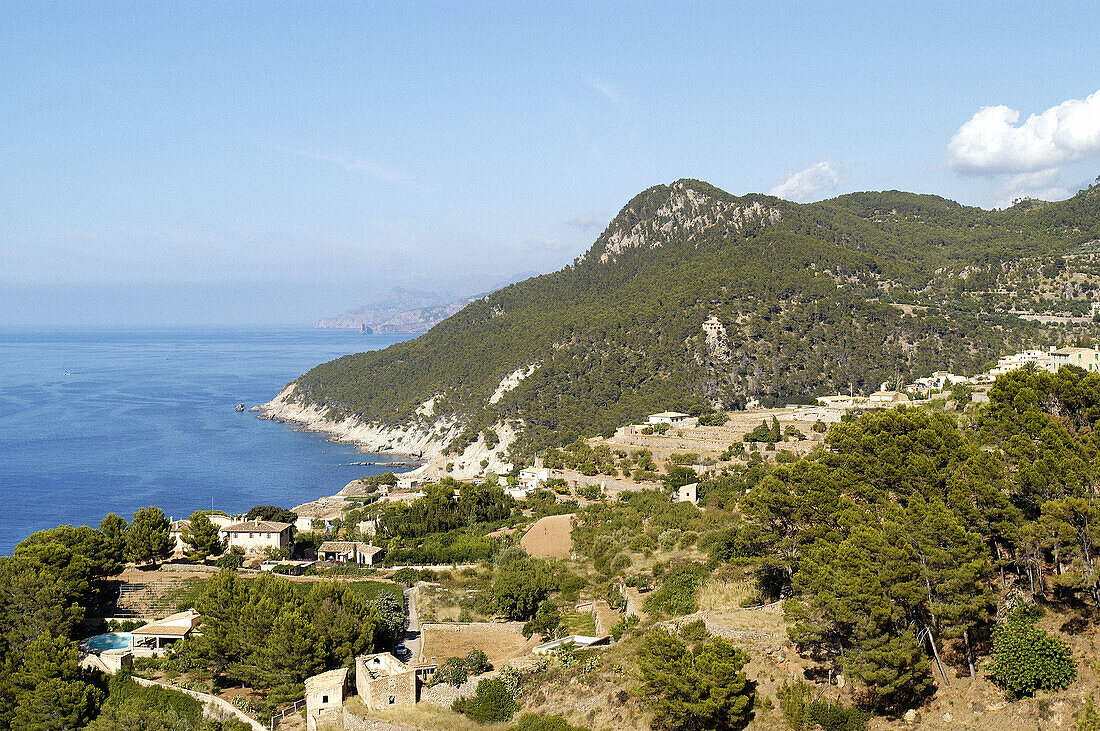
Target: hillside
{"points": [[811, 299]]}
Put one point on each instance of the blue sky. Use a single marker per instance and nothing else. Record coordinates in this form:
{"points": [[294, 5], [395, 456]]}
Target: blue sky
{"points": [[277, 162]]}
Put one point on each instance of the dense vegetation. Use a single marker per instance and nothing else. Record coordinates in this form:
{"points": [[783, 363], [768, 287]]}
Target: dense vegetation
{"points": [[813, 298]]}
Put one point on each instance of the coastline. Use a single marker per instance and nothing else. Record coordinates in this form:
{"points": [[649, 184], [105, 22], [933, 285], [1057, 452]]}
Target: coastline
{"points": [[423, 441]]}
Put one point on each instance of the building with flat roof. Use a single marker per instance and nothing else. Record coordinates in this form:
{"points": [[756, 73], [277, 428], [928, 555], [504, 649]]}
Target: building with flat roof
{"points": [[668, 417]]}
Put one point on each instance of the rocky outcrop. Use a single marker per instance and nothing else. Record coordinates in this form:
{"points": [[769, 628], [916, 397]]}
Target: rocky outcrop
{"points": [[421, 439], [425, 438]]}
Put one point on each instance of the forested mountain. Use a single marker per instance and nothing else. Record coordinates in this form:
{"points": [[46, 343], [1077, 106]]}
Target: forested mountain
{"points": [[811, 299]]}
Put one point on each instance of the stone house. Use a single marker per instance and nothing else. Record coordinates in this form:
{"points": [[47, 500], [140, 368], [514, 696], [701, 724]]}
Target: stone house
{"points": [[254, 536], [325, 695], [357, 552], [383, 681]]}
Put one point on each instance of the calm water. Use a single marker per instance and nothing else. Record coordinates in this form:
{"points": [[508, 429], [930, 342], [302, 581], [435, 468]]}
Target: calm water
{"points": [[94, 421]]}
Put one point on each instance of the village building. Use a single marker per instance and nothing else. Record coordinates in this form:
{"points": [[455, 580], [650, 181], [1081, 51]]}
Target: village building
{"points": [[367, 527], [254, 536], [325, 695], [668, 417], [356, 552], [408, 483], [382, 681], [1086, 358], [402, 497], [686, 494], [531, 478], [887, 398], [175, 532], [159, 634]]}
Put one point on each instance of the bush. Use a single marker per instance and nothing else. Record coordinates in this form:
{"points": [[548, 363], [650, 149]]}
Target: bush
{"points": [[676, 594], [718, 418], [694, 631], [669, 538], [406, 576], [1026, 658], [232, 560], [493, 702], [590, 492], [802, 711], [521, 586], [456, 670], [620, 628]]}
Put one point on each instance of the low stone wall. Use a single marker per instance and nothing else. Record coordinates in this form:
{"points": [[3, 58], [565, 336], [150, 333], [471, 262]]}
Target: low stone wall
{"points": [[509, 627], [445, 694], [213, 707]]}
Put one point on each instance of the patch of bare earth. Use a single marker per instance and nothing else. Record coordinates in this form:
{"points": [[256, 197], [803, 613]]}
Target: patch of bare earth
{"points": [[501, 642], [550, 537]]}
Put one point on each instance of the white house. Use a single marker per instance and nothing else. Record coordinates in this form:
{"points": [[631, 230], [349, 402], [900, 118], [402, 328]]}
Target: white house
{"points": [[254, 536], [175, 532], [687, 494], [408, 483], [163, 632], [358, 552], [668, 417], [532, 477]]}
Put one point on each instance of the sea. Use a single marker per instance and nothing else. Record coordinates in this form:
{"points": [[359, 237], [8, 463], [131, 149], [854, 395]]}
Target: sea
{"points": [[112, 419]]}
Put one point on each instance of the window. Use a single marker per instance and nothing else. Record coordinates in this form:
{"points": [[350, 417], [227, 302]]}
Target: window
{"points": [[393, 699], [324, 699]]}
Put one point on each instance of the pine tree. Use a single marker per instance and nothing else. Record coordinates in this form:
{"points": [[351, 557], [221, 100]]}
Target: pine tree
{"points": [[147, 538], [202, 536]]}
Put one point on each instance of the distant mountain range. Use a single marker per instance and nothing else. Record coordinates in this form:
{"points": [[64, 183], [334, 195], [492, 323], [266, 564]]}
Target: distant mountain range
{"points": [[693, 298], [402, 310]]}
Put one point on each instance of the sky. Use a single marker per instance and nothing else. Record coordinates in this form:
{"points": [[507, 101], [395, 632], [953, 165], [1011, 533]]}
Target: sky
{"points": [[224, 162]]}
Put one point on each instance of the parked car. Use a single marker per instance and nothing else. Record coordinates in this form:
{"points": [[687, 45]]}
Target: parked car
{"points": [[401, 650]]}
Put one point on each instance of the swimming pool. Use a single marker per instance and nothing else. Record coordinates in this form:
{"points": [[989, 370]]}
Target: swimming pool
{"points": [[108, 641]]}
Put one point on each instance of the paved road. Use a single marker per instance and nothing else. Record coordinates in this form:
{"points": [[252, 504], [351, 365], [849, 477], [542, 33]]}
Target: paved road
{"points": [[412, 627]]}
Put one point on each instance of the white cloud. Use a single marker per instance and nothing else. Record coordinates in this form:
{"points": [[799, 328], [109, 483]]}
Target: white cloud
{"points": [[583, 222], [1044, 185], [992, 143], [803, 184]]}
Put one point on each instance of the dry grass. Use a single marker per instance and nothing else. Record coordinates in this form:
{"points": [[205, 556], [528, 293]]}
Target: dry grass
{"points": [[457, 641], [550, 537], [719, 596], [420, 716]]}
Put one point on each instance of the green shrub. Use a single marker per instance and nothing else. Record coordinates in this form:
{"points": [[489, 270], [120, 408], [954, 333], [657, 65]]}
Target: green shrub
{"points": [[1026, 658], [802, 711], [676, 594], [1089, 720], [232, 560], [669, 538], [718, 418], [694, 631], [406, 576], [493, 702]]}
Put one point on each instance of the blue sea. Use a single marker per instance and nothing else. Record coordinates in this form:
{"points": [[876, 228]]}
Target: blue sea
{"points": [[101, 420]]}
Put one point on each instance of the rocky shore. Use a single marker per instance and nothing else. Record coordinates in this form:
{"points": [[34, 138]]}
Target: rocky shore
{"points": [[423, 439]]}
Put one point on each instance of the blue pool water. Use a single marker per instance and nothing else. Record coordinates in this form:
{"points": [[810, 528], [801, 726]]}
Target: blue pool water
{"points": [[103, 420], [109, 641]]}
